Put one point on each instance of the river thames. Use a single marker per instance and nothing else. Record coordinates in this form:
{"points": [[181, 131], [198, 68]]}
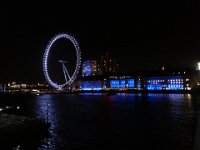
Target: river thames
{"points": [[122, 121]]}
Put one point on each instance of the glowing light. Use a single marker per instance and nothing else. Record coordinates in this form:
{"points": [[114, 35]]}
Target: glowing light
{"points": [[163, 68], [188, 88], [198, 66], [169, 83], [86, 89], [87, 68], [45, 60], [122, 83], [91, 85], [131, 83], [114, 83]]}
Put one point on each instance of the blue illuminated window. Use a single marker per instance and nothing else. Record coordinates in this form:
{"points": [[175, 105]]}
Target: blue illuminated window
{"points": [[164, 83], [114, 83], [122, 84], [131, 83], [91, 85]]}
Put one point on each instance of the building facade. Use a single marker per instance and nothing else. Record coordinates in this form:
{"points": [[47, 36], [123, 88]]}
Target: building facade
{"points": [[89, 68], [167, 83], [139, 82]]}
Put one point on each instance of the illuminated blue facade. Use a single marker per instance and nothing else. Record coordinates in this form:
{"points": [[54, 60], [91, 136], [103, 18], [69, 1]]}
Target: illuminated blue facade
{"points": [[131, 83], [87, 68], [124, 83], [101, 84], [165, 83], [114, 83], [137, 83], [91, 85]]}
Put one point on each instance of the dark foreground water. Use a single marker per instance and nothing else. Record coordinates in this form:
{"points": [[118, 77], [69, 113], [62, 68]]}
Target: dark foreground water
{"points": [[100, 122]]}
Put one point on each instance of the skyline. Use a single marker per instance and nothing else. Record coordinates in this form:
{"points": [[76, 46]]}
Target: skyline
{"points": [[140, 35]]}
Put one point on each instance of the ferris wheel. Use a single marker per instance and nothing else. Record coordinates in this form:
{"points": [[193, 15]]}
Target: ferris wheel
{"points": [[68, 79]]}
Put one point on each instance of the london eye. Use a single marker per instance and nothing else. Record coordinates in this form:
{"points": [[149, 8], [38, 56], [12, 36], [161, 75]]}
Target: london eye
{"points": [[68, 79]]}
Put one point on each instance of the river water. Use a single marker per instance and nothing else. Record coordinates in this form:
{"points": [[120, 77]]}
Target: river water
{"points": [[101, 122]]}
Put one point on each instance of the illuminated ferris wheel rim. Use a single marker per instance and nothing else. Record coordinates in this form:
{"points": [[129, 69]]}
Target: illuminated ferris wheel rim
{"points": [[46, 54]]}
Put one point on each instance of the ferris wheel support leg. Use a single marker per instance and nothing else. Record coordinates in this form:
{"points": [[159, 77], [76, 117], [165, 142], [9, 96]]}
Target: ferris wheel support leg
{"points": [[66, 71]]}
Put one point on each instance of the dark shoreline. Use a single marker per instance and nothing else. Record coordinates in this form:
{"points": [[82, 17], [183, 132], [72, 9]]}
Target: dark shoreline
{"points": [[114, 92], [143, 91]]}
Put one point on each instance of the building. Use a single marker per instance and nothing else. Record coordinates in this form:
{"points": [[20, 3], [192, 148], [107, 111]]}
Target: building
{"points": [[108, 82], [89, 68], [94, 67], [153, 80], [91, 85], [108, 64], [167, 83]]}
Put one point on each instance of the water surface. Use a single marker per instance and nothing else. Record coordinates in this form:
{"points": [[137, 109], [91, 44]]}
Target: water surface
{"points": [[123, 121]]}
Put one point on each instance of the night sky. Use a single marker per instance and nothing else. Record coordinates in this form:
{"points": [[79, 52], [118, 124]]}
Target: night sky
{"points": [[142, 35]]}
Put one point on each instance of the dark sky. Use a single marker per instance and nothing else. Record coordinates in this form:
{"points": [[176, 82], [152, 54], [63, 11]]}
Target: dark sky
{"points": [[144, 34]]}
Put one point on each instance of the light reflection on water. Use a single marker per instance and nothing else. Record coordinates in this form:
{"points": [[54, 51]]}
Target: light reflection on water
{"points": [[125, 121], [46, 109]]}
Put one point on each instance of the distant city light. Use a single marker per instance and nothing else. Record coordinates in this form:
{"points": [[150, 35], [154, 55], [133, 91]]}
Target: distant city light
{"points": [[198, 66]]}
